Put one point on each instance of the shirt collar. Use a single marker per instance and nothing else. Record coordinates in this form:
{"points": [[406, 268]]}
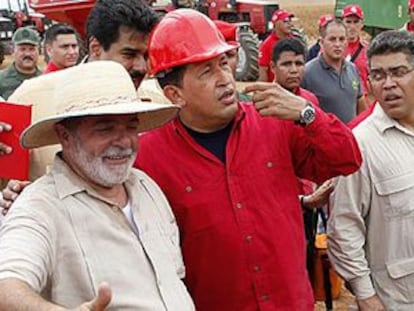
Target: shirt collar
{"points": [[69, 183], [385, 123], [325, 65]]}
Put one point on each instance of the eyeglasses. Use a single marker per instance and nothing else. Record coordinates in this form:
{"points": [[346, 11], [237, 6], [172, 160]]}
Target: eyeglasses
{"points": [[395, 73]]}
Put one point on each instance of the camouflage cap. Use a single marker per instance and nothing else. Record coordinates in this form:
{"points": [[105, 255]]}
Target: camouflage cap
{"points": [[26, 35]]}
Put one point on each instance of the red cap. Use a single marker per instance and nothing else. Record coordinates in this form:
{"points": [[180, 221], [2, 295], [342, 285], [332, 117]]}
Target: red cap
{"points": [[228, 30], [410, 4], [324, 19], [353, 9], [281, 15]]}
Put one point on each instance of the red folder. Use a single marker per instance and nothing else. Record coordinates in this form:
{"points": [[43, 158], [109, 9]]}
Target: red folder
{"points": [[16, 164]]}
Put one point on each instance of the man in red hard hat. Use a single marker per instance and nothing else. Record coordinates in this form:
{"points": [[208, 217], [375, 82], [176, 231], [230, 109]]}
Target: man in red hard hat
{"points": [[356, 50], [229, 171], [409, 26], [282, 28]]}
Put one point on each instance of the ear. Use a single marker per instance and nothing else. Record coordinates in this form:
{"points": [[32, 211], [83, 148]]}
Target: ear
{"points": [[63, 135], [48, 49], [272, 66], [95, 48], [174, 94]]}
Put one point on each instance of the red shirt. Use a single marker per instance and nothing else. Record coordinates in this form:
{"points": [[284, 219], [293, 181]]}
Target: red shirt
{"points": [[362, 116], [265, 54], [361, 62], [241, 225], [51, 67]]}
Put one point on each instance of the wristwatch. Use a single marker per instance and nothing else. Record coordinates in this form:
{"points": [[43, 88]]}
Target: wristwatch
{"points": [[307, 115]]}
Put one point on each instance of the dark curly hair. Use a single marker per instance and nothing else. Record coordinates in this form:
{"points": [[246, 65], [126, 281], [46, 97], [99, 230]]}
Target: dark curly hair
{"points": [[108, 16]]}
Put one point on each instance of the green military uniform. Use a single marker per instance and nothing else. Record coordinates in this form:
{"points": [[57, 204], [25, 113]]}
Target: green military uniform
{"points": [[10, 79]]}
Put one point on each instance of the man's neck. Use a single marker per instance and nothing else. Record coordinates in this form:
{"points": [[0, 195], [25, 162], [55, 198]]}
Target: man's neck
{"points": [[334, 63], [353, 40], [280, 35]]}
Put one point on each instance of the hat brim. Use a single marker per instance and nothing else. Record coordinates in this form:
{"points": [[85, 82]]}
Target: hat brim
{"points": [[26, 42], [150, 115]]}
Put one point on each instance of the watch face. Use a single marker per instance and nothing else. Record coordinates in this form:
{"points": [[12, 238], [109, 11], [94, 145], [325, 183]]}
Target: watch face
{"points": [[308, 114]]}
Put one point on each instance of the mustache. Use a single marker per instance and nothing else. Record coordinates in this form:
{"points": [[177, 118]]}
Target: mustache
{"points": [[225, 93], [137, 74], [117, 152], [28, 58]]}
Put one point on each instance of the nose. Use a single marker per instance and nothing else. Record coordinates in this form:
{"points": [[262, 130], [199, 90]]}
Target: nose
{"points": [[140, 64], [388, 82]]}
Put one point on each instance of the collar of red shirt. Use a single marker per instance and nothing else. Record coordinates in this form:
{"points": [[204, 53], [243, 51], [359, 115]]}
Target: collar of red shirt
{"points": [[51, 67]]}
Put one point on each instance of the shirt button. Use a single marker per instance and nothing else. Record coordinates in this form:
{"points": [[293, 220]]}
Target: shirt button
{"points": [[264, 297], [239, 205], [249, 238], [256, 268], [269, 164], [188, 189]]}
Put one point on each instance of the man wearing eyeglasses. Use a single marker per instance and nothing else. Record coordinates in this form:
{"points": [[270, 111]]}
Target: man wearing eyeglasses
{"points": [[371, 228], [282, 29]]}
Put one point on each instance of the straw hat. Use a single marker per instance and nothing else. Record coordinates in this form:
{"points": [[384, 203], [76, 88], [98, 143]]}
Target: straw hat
{"points": [[92, 89]]}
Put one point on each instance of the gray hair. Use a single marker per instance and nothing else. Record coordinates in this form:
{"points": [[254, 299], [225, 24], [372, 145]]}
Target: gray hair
{"points": [[392, 41]]}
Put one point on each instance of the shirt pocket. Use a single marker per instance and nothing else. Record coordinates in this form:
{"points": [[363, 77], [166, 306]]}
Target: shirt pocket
{"points": [[401, 273], [398, 194]]}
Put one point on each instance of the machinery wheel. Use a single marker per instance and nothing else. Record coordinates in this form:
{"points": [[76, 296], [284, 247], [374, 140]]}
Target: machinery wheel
{"points": [[248, 68]]}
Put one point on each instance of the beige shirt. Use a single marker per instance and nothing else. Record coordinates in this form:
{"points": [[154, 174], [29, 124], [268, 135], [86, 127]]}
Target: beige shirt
{"points": [[64, 239], [371, 228]]}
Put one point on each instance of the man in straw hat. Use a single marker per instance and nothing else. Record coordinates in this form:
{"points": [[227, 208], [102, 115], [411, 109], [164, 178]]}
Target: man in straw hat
{"points": [[93, 218], [229, 171], [116, 30]]}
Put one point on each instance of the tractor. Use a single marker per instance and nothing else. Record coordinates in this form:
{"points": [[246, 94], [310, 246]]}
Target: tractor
{"points": [[379, 15], [252, 16]]}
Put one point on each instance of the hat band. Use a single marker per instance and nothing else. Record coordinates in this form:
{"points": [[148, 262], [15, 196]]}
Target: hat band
{"points": [[104, 101]]}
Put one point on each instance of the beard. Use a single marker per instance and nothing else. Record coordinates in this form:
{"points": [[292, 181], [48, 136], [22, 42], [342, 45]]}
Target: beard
{"points": [[95, 168]]}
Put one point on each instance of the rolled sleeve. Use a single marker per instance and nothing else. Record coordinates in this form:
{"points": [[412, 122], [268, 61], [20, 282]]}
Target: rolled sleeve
{"points": [[26, 239]]}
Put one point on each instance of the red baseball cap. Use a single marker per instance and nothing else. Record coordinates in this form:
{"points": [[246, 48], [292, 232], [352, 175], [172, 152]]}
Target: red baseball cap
{"points": [[281, 15], [324, 19], [410, 4], [228, 30], [353, 9]]}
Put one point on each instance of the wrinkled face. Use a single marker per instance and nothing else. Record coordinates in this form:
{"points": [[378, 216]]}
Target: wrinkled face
{"points": [[334, 42], [64, 50], [102, 149], [284, 27], [208, 95], [354, 27], [289, 70], [26, 56], [392, 81], [131, 52]]}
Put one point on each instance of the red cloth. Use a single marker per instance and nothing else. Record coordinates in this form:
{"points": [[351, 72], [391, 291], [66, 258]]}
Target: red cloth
{"points": [[265, 54], [51, 67], [361, 62], [241, 223], [410, 27]]}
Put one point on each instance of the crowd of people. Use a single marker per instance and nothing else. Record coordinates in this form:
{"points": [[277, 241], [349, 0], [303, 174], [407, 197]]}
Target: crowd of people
{"points": [[196, 200]]}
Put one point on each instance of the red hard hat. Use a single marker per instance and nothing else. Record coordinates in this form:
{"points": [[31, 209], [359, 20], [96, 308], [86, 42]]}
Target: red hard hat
{"points": [[228, 30], [184, 36], [353, 9], [324, 19]]}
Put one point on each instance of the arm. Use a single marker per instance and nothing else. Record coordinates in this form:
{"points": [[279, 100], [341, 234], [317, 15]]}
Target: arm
{"points": [[347, 231], [16, 295], [321, 150]]}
